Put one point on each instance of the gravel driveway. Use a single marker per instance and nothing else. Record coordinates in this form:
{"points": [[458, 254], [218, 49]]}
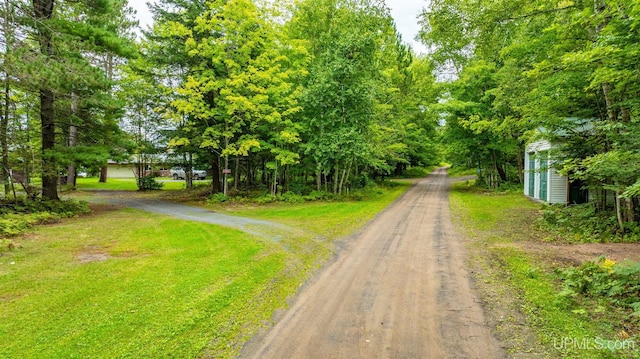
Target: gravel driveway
{"points": [[256, 227]]}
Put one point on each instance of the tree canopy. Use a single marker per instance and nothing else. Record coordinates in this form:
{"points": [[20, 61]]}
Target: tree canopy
{"points": [[523, 66]]}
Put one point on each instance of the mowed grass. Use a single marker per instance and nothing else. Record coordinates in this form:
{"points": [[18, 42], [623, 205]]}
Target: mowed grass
{"points": [[330, 220], [125, 184], [133, 284], [496, 222]]}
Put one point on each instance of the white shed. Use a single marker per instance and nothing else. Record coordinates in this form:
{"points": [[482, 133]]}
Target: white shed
{"points": [[541, 181]]}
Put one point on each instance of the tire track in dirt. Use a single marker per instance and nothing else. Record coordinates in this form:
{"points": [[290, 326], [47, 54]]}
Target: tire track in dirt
{"points": [[399, 289]]}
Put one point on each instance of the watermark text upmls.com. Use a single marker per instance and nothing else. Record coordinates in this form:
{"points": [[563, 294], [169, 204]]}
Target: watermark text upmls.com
{"points": [[593, 344]]}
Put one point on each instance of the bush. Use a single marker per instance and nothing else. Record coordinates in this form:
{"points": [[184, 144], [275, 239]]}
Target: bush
{"points": [[149, 183], [363, 181], [16, 217], [300, 188], [291, 197], [63, 208], [268, 198], [616, 283], [14, 224], [217, 198], [320, 196], [582, 223]]}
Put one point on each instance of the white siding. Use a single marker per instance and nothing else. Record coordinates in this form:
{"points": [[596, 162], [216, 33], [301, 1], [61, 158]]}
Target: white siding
{"points": [[120, 171], [557, 187]]}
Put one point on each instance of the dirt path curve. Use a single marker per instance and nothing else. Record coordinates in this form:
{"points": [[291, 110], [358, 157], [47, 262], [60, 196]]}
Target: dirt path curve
{"points": [[400, 289], [260, 228]]}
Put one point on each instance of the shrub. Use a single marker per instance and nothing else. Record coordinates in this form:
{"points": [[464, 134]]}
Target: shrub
{"points": [[616, 283], [290, 197], [217, 198], [363, 181], [320, 196], [16, 217], [299, 188], [268, 198], [582, 223], [148, 183]]}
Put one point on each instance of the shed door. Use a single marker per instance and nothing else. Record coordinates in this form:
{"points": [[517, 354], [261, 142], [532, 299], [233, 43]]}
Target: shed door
{"points": [[543, 176], [532, 175]]}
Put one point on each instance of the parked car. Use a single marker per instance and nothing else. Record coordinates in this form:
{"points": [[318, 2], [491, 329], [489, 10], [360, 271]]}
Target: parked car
{"points": [[178, 173]]}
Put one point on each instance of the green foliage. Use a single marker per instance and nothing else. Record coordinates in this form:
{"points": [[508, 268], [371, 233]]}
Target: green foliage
{"points": [[417, 172], [498, 224], [583, 223], [15, 224], [64, 208], [618, 284], [148, 183], [327, 214], [217, 198], [18, 216], [363, 181], [61, 55], [267, 198], [320, 196]]}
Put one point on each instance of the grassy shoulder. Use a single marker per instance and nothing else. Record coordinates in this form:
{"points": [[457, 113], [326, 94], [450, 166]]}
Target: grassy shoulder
{"points": [[327, 219], [522, 288], [125, 283]]}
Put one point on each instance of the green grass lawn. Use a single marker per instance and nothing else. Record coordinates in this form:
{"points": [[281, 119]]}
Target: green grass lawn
{"points": [[328, 219], [496, 222], [165, 287], [133, 284], [127, 184]]}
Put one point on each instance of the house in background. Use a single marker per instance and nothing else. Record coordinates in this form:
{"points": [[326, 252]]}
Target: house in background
{"points": [[542, 182], [120, 170]]}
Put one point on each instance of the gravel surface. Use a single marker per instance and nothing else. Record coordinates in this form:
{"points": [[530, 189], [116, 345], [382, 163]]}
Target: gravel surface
{"points": [[260, 228]]}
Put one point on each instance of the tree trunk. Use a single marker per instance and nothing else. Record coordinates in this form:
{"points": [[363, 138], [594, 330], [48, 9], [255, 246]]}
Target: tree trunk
{"points": [[629, 210], [4, 120], [104, 172], [215, 174], [498, 168], [619, 211], [520, 160], [49, 167], [318, 176], [71, 170], [236, 175], [4, 126], [188, 170], [225, 176], [274, 185], [345, 175], [599, 6], [336, 176], [43, 11]]}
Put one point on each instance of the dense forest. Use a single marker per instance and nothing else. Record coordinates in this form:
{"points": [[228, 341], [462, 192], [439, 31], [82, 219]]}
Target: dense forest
{"points": [[319, 94], [564, 70]]}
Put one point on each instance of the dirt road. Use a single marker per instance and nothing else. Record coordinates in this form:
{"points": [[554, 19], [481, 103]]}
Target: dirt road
{"points": [[399, 289]]}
